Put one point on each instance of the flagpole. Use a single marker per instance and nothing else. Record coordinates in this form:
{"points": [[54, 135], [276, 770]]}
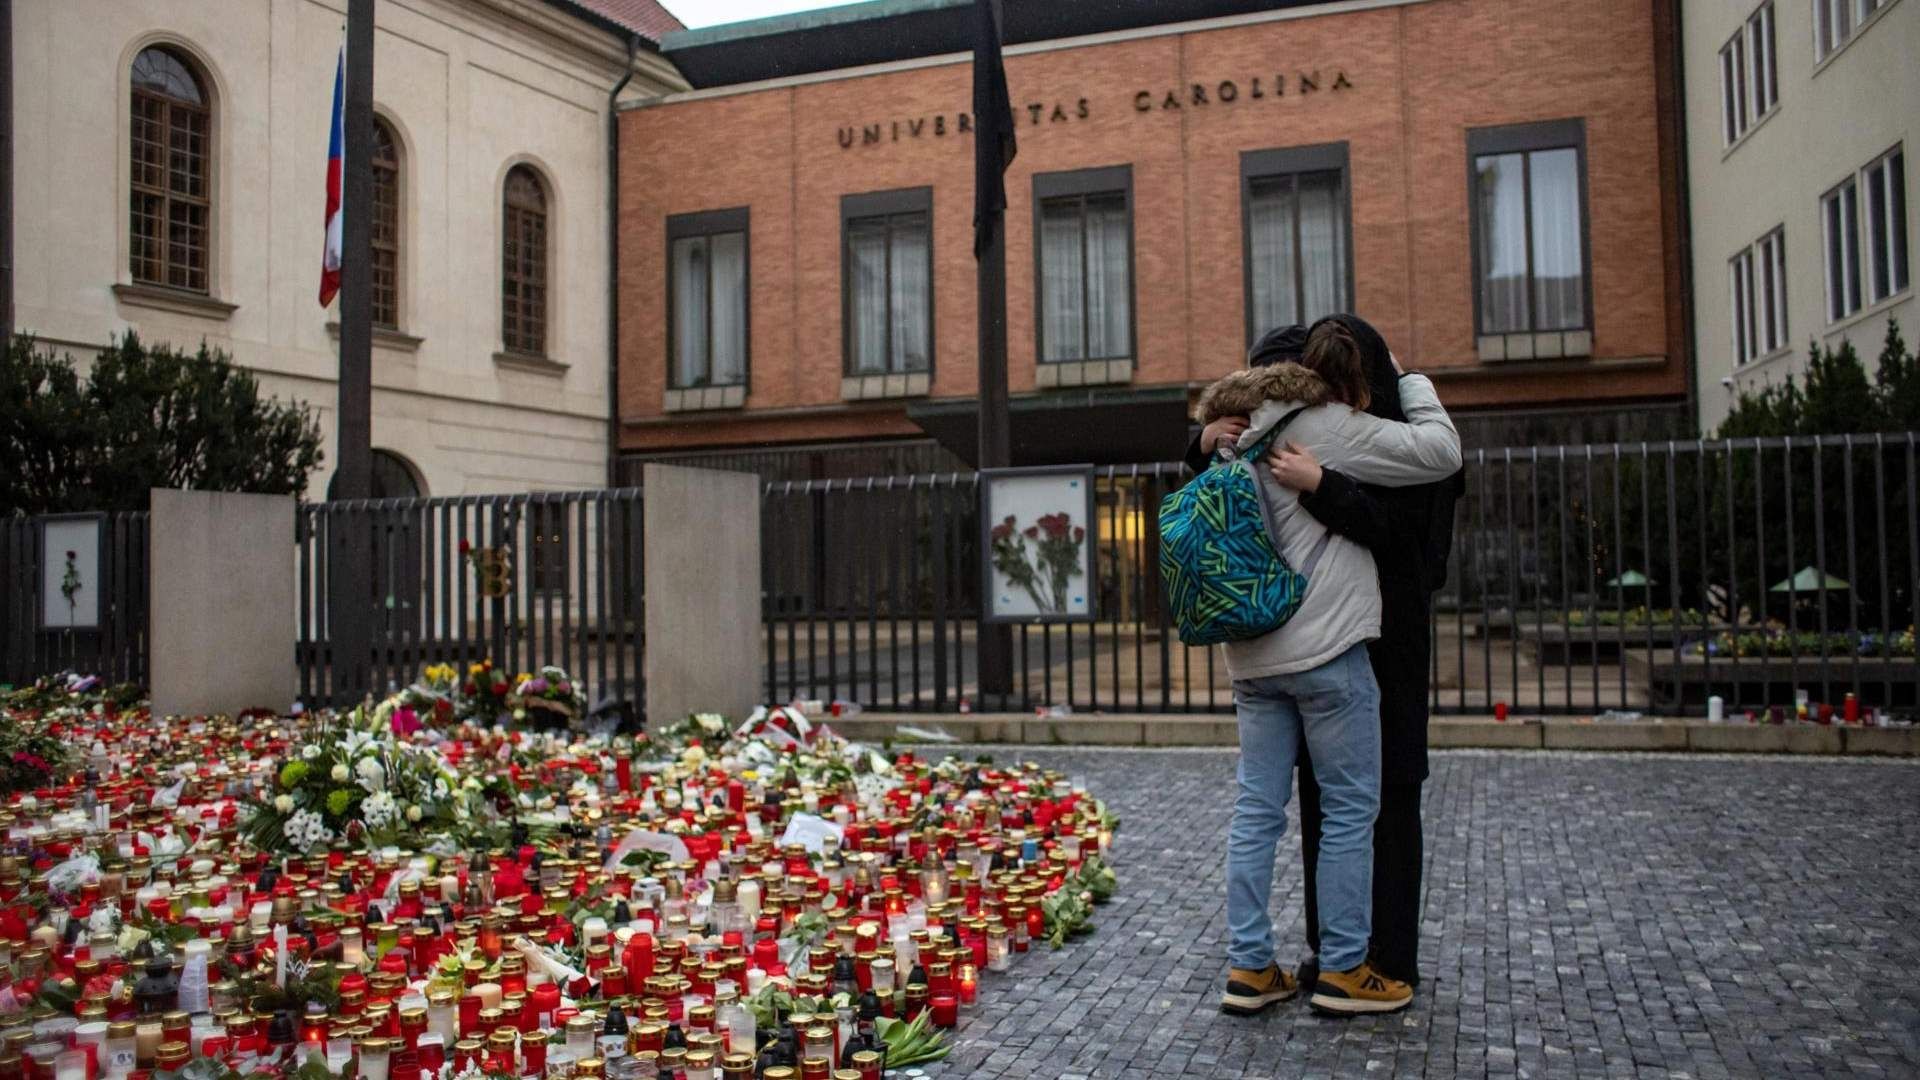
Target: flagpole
{"points": [[350, 613], [991, 151]]}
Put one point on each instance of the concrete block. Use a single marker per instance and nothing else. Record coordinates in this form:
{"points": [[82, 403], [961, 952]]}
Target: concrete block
{"points": [[1078, 731], [1896, 742], [1737, 738], [1586, 735], [702, 566], [1508, 735], [1813, 739], [221, 601]]}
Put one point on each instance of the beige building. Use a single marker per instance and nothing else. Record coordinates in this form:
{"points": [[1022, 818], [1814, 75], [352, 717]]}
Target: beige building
{"points": [[170, 172], [1801, 116]]}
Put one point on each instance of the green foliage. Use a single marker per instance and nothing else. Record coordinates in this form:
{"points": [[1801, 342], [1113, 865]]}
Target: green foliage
{"points": [[1837, 397], [144, 417]]}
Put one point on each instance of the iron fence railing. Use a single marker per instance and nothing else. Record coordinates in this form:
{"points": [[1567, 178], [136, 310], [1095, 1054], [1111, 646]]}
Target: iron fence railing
{"points": [[1647, 577], [524, 580]]}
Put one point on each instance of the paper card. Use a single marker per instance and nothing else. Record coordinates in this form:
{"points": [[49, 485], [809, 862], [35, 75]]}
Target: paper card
{"points": [[647, 840], [810, 831]]}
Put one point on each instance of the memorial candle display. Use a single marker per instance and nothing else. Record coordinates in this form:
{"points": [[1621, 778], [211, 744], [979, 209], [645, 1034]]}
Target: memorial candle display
{"points": [[340, 890]]}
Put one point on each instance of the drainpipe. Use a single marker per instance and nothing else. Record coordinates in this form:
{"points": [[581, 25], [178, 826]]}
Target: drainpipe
{"points": [[613, 265]]}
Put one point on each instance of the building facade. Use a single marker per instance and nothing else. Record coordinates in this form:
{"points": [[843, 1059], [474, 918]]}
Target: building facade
{"points": [[1494, 183], [1800, 114], [169, 177]]}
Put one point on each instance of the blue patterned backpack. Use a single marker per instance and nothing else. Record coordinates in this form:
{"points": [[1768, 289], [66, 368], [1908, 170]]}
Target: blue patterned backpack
{"points": [[1225, 580]]}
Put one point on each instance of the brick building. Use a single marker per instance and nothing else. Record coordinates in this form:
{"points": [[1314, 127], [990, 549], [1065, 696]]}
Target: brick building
{"points": [[1491, 182]]}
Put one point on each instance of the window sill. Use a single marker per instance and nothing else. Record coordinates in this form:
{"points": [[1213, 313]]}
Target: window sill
{"points": [[1540, 345], [383, 337], [528, 362], [1845, 323], [1564, 366], [1741, 140], [1052, 374], [178, 301], [1761, 363], [890, 385], [1822, 63], [703, 398]]}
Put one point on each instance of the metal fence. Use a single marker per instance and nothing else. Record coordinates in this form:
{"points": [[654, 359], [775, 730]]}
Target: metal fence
{"points": [[526, 580], [115, 649], [1630, 576]]}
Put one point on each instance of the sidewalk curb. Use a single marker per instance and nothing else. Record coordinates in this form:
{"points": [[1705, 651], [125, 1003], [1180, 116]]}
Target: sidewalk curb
{"points": [[1553, 733]]}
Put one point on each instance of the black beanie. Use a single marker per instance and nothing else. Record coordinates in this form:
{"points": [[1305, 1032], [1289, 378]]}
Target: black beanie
{"points": [[1278, 344]]}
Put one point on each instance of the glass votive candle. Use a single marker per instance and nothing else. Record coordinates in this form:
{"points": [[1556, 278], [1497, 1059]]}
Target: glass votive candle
{"points": [[946, 1010]]}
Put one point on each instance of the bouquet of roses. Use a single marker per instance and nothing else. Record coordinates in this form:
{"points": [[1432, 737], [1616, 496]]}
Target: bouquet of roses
{"points": [[353, 781], [30, 756], [483, 697], [550, 699], [429, 701]]}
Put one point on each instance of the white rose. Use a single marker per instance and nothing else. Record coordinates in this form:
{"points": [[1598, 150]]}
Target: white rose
{"points": [[373, 775], [340, 774], [413, 813], [284, 804]]}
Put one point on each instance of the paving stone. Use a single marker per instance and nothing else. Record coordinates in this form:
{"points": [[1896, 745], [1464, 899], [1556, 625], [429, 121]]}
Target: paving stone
{"points": [[1586, 915]]}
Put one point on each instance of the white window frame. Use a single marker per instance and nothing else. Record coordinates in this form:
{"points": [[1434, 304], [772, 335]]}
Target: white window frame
{"points": [[1740, 277], [1836, 22], [1884, 231], [1770, 290], [1841, 206], [1749, 75]]}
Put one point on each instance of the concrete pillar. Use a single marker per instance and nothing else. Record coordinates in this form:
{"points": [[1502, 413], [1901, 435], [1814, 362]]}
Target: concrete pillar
{"points": [[702, 552], [221, 601]]}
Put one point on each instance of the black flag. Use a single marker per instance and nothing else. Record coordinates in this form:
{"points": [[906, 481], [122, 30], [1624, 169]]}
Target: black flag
{"points": [[992, 122]]}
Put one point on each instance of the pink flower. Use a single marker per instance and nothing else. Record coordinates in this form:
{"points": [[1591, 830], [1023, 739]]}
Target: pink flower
{"points": [[405, 721]]}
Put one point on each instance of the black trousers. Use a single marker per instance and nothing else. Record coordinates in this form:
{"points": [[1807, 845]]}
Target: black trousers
{"points": [[1396, 873]]}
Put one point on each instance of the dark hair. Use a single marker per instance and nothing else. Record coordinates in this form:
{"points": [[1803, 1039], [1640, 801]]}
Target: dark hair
{"points": [[1334, 355], [1277, 345]]}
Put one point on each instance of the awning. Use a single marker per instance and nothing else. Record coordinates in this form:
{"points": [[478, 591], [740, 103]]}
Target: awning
{"points": [[1101, 425]]}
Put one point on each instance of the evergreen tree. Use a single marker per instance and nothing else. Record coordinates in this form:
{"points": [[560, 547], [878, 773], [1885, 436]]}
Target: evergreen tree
{"points": [[145, 417]]}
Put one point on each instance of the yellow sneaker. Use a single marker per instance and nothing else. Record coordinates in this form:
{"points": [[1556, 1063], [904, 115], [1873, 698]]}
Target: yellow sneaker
{"points": [[1249, 992], [1362, 990]]}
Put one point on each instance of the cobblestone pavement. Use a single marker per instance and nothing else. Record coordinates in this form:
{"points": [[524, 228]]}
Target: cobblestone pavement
{"points": [[1586, 915]]}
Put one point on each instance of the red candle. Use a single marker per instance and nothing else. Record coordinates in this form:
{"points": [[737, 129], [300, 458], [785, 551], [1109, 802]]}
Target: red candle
{"points": [[544, 1001], [1852, 707], [969, 985], [946, 1010], [766, 953], [1500, 711]]}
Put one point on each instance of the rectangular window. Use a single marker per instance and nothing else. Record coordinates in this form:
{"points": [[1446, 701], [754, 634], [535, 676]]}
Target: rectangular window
{"points": [[1529, 219], [887, 282], [1084, 274], [1295, 236], [1834, 21], [1770, 263], [1749, 82], [1886, 209], [1840, 224], [1740, 272], [707, 299]]}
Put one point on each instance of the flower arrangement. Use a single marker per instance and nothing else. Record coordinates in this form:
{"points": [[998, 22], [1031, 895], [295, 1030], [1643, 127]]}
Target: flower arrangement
{"points": [[353, 782], [549, 699], [1865, 644], [484, 696], [31, 756], [1046, 573]]}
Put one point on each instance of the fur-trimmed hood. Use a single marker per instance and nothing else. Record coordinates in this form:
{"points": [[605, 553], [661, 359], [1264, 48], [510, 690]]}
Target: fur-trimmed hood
{"points": [[1240, 393]]}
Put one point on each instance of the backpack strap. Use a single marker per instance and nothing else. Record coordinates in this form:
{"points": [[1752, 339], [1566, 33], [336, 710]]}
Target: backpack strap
{"points": [[1260, 445]]}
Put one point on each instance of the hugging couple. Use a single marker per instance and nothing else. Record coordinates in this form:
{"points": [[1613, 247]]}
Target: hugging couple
{"points": [[1359, 486]]}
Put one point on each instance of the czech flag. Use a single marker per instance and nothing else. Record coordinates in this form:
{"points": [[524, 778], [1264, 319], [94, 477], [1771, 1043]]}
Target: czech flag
{"points": [[336, 150]]}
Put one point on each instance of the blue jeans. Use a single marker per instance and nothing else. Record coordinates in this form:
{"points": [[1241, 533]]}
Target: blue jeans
{"points": [[1338, 705]]}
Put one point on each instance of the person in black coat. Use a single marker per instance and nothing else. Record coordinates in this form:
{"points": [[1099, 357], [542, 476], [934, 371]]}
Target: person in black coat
{"points": [[1409, 530]]}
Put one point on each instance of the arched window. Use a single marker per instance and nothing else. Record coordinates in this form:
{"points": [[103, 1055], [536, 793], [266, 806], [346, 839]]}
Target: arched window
{"points": [[523, 275], [393, 478], [386, 226], [171, 197]]}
